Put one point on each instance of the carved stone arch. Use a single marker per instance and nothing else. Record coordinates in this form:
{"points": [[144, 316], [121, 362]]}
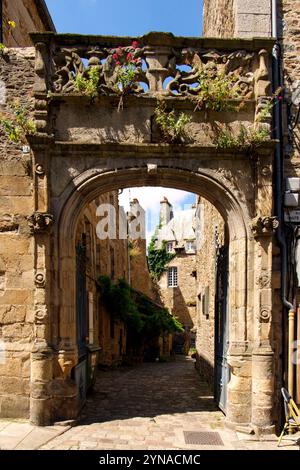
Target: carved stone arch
{"points": [[86, 186]]}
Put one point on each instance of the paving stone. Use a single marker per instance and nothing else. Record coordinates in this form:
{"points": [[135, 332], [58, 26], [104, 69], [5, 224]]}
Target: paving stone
{"points": [[147, 407]]}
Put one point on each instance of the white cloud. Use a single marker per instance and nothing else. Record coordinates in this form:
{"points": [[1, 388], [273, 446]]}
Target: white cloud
{"points": [[149, 198]]}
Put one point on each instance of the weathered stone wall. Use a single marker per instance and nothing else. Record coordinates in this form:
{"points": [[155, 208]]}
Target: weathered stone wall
{"points": [[218, 18], [107, 257], [16, 244], [212, 233], [139, 273], [181, 300], [29, 16], [290, 29], [290, 26], [237, 18]]}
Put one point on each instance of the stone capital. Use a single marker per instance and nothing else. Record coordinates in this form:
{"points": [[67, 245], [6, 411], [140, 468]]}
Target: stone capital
{"points": [[40, 222], [264, 226]]}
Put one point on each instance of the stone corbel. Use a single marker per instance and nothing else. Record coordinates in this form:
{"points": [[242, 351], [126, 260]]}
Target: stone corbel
{"points": [[40, 70], [264, 226], [66, 362], [40, 222], [262, 81]]}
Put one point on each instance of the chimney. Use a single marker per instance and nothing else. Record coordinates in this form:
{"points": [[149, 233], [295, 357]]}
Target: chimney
{"points": [[166, 212], [137, 221]]}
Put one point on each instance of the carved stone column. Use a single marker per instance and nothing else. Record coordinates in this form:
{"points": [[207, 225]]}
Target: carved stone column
{"points": [[263, 355], [158, 71], [41, 413]]}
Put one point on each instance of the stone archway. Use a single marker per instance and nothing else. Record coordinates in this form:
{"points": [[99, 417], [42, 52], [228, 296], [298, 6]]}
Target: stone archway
{"points": [[250, 355], [83, 148]]}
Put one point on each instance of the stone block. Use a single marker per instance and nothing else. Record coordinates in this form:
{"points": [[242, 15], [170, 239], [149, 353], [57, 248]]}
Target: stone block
{"points": [[253, 6], [14, 245], [17, 297], [22, 205], [10, 314], [15, 385], [12, 406], [257, 25], [242, 397], [15, 186], [17, 331], [13, 167]]}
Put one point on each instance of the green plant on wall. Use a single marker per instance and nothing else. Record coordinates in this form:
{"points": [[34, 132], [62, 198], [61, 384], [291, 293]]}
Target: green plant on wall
{"points": [[243, 139], [88, 85], [127, 66], [265, 112], [136, 310], [9, 26], [215, 91], [171, 125], [158, 259], [17, 123]]}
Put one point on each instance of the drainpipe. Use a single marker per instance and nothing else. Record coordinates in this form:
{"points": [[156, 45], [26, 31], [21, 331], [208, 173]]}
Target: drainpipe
{"points": [[278, 186]]}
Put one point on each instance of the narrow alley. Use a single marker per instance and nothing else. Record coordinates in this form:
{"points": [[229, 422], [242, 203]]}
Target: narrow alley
{"points": [[153, 406]]}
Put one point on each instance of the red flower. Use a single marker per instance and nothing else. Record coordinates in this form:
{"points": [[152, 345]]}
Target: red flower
{"points": [[129, 57], [118, 62], [280, 98], [115, 56], [135, 44]]}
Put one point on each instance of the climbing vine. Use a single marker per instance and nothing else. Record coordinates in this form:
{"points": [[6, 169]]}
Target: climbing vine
{"points": [[137, 311], [158, 259]]}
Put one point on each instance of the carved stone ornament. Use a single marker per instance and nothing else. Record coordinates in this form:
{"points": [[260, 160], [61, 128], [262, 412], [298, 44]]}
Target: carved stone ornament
{"points": [[264, 226], [266, 171], [40, 280], [40, 317], [39, 169], [264, 280], [152, 169], [265, 314], [40, 222]]}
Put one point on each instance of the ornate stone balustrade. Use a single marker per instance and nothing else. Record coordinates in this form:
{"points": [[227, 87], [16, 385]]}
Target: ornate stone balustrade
{"points": [[166, 66], [170, 65]]}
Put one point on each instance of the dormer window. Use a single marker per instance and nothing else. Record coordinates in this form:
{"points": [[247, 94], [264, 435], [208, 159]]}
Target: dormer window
{"points": [[169, 247], [190, 247]]}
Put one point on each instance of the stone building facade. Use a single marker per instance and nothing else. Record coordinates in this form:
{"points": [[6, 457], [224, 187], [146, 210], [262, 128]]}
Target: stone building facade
{"points": [[210, 239], [177, 286], [139, 273], [237, 18], [46, 188], [281, 20], [101, 257], [29, 16]]}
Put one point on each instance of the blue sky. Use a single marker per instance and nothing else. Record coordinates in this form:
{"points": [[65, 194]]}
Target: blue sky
{"points": [[133, 18], [127, 18]]}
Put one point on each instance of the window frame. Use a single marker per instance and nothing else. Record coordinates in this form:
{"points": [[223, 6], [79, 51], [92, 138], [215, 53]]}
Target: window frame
{"points": [[172, 277]]}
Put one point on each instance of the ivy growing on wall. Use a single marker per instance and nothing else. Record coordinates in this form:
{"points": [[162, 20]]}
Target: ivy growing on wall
{"points": [[158, 259], [136, 310]]}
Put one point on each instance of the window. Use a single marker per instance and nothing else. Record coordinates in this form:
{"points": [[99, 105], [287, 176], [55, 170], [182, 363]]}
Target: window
{"points": [[189, 246], [172, 277], [169, 247]]}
